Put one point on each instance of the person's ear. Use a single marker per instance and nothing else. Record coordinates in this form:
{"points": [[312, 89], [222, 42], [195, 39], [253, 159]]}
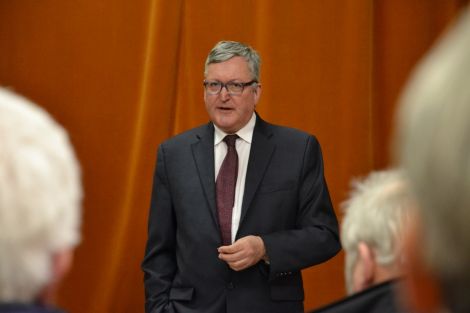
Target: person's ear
{"points": [[257, 93], [420, 290], [366, 277], [61, 262]]}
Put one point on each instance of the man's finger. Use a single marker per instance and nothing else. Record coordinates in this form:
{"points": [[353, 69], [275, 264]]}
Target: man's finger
{"points": [[231, 257], [227, 249]]}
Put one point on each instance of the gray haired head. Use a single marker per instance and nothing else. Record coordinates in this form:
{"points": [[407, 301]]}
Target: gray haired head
{"points": [[40, 198], [433, 145], [225, 50], [375, 214]]}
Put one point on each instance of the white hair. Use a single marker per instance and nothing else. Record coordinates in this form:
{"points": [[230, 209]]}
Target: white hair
{"points": [[374, 214], [433, 144], [40, 197]]}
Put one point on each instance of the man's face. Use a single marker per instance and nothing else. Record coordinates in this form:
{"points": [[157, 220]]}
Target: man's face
{"points": [[231, 112]]}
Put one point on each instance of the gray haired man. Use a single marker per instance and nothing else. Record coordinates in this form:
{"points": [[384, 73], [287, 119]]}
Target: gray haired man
{"points": [[239, 206], [375, 216], [433, 146], [40, 204]]}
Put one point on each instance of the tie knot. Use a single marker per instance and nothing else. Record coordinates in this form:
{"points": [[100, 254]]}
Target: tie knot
{"points": [[230, 140]]}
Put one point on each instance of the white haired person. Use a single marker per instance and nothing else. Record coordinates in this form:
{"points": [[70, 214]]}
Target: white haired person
{"points": [[371, 235], [40, 203], [433, 146]]}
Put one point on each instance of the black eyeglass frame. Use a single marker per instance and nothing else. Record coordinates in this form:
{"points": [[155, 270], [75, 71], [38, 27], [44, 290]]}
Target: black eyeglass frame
{"points": [[226, 86]]}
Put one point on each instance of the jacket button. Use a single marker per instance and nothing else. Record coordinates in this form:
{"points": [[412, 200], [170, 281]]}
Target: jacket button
{"points": [[230, 285]]}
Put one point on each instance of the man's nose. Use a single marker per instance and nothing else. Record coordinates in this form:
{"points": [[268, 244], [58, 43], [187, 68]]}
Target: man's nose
{"points": [[224, 94]]}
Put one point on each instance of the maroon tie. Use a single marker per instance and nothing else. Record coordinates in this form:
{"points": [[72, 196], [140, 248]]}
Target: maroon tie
{"points": [[225, 189]]}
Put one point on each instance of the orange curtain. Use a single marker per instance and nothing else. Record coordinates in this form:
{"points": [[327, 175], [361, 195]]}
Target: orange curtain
{"points": [[122, 76]]}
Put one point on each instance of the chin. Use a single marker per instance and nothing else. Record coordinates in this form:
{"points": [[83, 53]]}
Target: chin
{"points": [[228, 130], [225, 125]]}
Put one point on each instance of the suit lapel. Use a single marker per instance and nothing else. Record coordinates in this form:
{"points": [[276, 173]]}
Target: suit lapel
{"points": [[261, 151], [203, 154]]}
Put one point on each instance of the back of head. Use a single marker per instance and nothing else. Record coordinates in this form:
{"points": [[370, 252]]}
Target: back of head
{"points": [[374, 215], [40, 197], [433, 145], [225, 50]]}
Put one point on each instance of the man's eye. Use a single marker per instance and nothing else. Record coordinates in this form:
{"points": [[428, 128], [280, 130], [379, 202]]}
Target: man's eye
{"points": [[214, 84], [236, 85]]}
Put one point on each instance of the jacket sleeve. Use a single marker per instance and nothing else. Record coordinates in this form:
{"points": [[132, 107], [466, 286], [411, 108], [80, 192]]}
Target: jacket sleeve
{"points": [[159, 264], [315, 237]]}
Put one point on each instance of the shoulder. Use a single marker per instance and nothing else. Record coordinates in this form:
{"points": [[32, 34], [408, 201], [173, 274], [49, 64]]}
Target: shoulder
{"points": [[285, 133], [190, 136], [27, 308], [379, 298]]}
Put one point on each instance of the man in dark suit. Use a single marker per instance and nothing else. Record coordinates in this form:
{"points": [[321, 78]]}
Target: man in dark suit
{"points": [[234, 219]]}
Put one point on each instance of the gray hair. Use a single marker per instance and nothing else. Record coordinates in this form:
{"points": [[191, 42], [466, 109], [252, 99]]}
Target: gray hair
{"points": [[374, 214], [40, 197], [225, 50], [433, 145]]}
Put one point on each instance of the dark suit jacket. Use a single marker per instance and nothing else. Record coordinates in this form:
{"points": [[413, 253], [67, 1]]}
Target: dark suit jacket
{"points": [[26, 308], [377, 299], [286, 202]]}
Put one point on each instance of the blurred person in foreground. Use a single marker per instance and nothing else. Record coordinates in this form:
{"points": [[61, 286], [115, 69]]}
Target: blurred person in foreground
{"points": [[433, 146], [371, 236], [40, 202]]}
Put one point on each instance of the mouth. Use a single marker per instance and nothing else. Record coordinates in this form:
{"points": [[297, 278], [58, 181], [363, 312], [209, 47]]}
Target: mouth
{"points": [[225, 109]]}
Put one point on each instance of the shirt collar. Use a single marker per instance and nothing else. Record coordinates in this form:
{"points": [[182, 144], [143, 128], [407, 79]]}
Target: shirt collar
{"points": [[245, 133]]}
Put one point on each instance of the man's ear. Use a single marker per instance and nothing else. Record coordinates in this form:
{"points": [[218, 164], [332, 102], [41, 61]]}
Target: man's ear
{"points": [[367, 258], [420, 290], [257, 93], [61, 262]]}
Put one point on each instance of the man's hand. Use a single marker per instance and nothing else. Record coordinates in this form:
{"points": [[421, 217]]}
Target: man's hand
{"points": [[243, 253]]}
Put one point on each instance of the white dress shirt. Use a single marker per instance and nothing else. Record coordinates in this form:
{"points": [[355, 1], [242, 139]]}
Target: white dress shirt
{"points": [[243, 146]]}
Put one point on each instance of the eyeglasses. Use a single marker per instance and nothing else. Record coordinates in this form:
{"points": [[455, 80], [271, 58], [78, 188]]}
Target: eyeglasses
{"points": [[233, 88]]}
